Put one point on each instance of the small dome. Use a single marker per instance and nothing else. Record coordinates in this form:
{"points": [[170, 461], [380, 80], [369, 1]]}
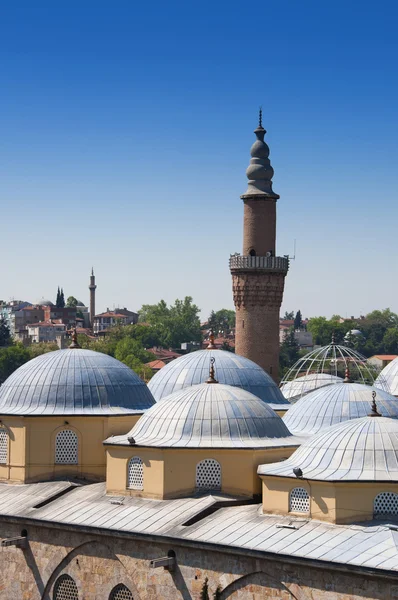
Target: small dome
{"points": [[307, 383], [74, 382], [353, 332], [80, 303], [389, 377], [332, 360], [336, 403], [210, 416], [44, 302], [231, 369], [364, 449]]}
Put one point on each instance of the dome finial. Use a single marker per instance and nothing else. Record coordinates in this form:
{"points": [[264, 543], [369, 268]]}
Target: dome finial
{"points": [[211, 345], [333, 338], [75, 343], [347, 378], [212, 378], [375, 412]]}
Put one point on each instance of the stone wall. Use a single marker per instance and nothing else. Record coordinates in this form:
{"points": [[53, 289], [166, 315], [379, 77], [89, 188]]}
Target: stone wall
{"points": [[98, 562]]}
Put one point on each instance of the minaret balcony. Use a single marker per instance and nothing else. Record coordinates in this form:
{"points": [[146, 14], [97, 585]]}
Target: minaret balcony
{"points": [[269, 264]]}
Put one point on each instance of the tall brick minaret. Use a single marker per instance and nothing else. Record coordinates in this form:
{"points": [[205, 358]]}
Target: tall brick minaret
{"points": [[92, 287], [258, 276]]}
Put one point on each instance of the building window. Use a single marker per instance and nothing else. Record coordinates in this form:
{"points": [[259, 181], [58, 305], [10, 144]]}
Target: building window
{"points": [[121, 592], [385, 504], [208, 474], [66, 447], [135, 474], [3, 446], [299, 500], [65, 588]]}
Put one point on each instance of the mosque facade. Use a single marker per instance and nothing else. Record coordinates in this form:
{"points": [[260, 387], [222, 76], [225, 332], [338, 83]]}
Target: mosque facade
{"points": [[208, 483]]}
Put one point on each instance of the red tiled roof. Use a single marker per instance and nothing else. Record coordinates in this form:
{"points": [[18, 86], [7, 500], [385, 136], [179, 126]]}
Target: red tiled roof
{"points": [[44, 324], [385, 356], [156, 364]]}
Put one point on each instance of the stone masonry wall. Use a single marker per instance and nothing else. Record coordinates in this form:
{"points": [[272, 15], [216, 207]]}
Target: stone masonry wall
{"points": [[97, 563]]}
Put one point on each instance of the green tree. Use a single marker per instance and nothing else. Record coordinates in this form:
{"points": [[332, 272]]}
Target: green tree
{"points": [[58, 299], [289, 351], [173, 324], [217, 593], [71, 302], [5, 337], [204, 594], [298, 320], [11, 358], [390, 340], [288, 316], [62, 299], [222, 321]]}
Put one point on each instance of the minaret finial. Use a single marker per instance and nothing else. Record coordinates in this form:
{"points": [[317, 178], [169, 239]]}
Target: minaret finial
{"points": [[92, 270], [75, 343], [212, 378], [260, 117], [211, 345], [259, 172], [347, 378], [375, 412]]}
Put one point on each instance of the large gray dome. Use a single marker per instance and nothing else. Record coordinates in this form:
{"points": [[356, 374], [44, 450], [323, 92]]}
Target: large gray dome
{"points": [[361, 450], [210, 416], [74, 382], [335, 403], [231, 369]]}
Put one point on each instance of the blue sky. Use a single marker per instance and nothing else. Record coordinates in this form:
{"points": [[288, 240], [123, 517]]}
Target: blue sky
{"points": [[125, 131]]}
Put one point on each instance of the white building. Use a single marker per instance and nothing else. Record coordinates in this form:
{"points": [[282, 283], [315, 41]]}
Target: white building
{"points": [[45, 332]]}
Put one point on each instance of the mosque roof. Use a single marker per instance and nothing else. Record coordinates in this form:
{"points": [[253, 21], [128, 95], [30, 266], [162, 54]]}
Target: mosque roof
{"points": [[227, 525], [333, 404], [389, 376], [307, 383], [231, 369], [209, 416], [360, 450], [74, 382]]}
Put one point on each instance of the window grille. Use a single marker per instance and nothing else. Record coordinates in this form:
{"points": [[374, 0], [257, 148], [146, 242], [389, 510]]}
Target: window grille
{"points": [[386, 504], [208, 474], [299, 500], [135, 475], [66, 443], [65, 588], [121, 592], [3, 446]]}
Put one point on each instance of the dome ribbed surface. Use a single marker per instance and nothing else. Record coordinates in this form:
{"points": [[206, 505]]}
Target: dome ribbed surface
{"points": [[307, 383], [210, 416], [364, 449], [231, 369], [389, 377], [74, 382], [336, 403]]}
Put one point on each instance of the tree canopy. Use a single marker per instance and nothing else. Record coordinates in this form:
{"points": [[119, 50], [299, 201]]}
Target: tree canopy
{"points": [[5, 336], [172, 325], [222, 320], [71, 302]]}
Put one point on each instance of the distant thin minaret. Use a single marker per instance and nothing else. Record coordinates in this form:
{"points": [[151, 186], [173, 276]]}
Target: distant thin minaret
{"points": [[92, 287]]}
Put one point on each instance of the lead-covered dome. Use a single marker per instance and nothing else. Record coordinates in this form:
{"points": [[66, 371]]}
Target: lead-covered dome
{"points": [[231, 369], [307, 383], [74, 382], [364, 449], [336, 403], [389, 377], [209, 416]]}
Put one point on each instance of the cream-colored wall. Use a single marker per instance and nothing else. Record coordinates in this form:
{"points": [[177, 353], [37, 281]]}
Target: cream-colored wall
{"points": [[334, 502], [32, 446], [280, 411], [171, 472]]}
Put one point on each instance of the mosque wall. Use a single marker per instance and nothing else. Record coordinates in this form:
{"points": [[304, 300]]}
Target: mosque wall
{"points": [[97, 563], [169, 473], [32, 441]]}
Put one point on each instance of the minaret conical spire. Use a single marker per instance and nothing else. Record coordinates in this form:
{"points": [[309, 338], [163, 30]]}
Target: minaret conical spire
{"points": [[259, 172]]}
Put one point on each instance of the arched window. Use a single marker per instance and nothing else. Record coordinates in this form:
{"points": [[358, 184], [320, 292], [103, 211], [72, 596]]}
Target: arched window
{"points": [[66, 447], [299, 500], [208, 474], [385, 504], [3, 446], [135, 474], [121, 592], [65, 588], [252, 252]]}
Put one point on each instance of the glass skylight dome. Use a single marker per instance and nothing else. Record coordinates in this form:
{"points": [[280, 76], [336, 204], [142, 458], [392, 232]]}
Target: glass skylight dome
{"points": [[327, 366]]}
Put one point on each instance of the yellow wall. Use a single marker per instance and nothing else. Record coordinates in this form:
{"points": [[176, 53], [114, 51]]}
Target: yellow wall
{"points": [[334, 502], [171, 472], [32, 446]]}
